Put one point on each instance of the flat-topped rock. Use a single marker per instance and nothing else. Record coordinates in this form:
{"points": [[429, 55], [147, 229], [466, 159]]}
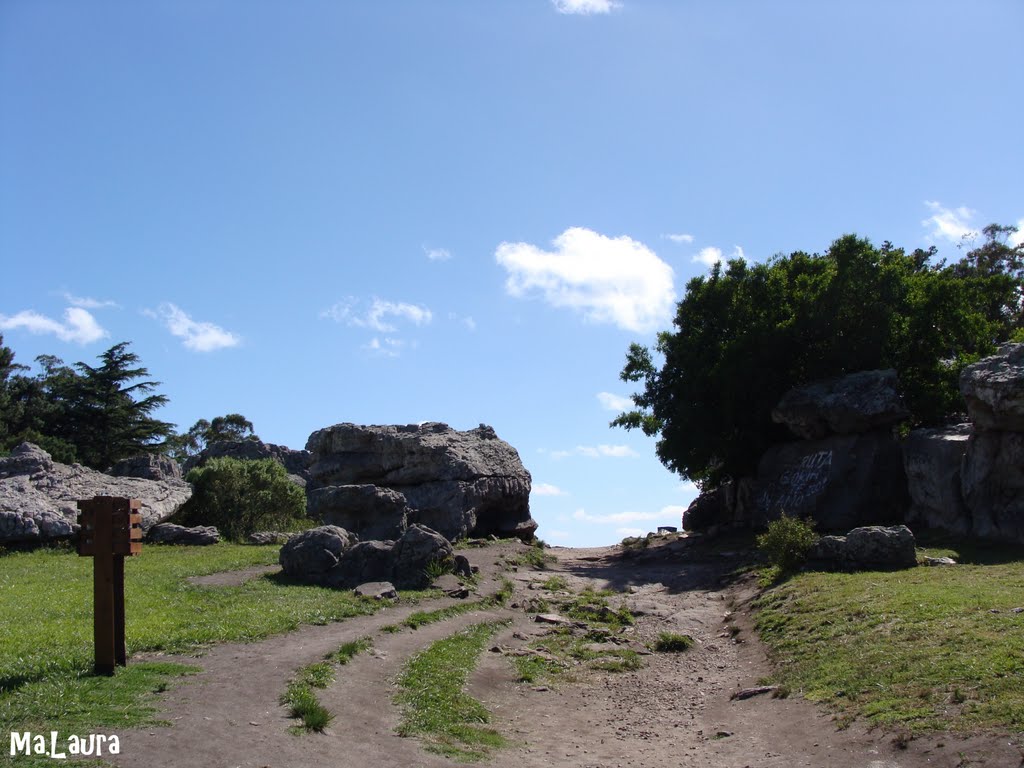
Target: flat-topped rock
{"points": [[994, 390]]}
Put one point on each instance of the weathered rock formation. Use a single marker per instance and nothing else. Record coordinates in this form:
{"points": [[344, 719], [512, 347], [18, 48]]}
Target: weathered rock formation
{"points": [[331, 556], [868, 547], [148, 466], [170, 533], [848, 405], [932, 459], [994, 390], [460, 484], [38, 496]]}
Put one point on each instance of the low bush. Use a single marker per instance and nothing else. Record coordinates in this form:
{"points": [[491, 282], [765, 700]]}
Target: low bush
{"points": [[240, 497], [787, 542]]}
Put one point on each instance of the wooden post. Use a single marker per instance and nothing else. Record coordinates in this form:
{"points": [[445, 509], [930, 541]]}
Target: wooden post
{"points": [[110, 529]]}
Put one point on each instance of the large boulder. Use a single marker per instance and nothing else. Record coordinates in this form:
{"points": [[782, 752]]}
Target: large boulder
{"points": [[851, 404], [868, 547], [932, 459], [992, 482], [311, 555], [842, 482], [994, 390], [39, 497], [369, 511], [170, 533], [331, 556], [296, 463], [149, 466], [459, 483]]}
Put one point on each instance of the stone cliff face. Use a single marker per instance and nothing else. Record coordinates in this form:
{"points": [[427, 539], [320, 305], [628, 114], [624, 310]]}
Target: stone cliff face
{"points": [[38, 496], [461, 484]]}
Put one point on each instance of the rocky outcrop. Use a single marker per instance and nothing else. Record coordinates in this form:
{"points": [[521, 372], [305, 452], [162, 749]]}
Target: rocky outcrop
{"points": [[932, 459], [460, 484], [331, 556], [296, 463], [851, 404], [148, 466], [842, 482], [992, 476], [169, 533], [994, 390], [367, 510], [868, 547], [38, 496]]}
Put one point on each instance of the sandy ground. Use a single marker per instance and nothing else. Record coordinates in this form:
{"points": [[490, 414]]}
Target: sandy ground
{"points": [[676, 711]]}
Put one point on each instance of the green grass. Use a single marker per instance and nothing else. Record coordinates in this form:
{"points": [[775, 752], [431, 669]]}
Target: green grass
{"points": [[555, 584], [673, 642], [46, 641], [565, 654], [422, 618], [593, 607], [922, 649], [302, 701], [434, 704], [534, 557], [351, 649]]}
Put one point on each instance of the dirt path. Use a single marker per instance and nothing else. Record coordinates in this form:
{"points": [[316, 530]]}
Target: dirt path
{"points": [[675, 711]]}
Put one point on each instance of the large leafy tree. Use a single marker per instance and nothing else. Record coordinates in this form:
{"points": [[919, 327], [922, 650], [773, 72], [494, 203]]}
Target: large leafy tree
{"points": [[745, 334], [229, 427]]}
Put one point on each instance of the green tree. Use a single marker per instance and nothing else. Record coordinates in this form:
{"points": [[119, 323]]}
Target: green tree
{"points": [[242, 496], [232, 427], [745, 334], [112, 407]]}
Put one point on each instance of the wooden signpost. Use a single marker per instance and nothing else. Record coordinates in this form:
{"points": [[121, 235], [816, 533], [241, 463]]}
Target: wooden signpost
{"points": [[111, 529]]}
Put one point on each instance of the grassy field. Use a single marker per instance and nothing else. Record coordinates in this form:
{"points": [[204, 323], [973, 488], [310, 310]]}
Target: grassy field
{"points": [[46, 649], [919, 649]]}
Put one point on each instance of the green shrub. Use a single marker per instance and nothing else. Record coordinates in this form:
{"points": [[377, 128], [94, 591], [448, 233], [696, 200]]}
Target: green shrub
{"points": [[787, 542], [672, 642], [242, 496]]}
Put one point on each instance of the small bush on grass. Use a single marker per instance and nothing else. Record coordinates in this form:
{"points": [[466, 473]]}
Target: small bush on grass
{"points": [[787, 542], [240, 497]]}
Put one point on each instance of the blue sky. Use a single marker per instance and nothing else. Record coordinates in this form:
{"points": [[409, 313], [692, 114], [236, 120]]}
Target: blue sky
{"points": [[393, 211]]}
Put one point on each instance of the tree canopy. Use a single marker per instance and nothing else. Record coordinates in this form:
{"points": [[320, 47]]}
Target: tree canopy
{"points": [[747, 333], [229, 427], [95, 415]]}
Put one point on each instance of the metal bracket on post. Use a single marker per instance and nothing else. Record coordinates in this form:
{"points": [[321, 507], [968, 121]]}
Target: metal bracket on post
{"points": [[111, 528]]}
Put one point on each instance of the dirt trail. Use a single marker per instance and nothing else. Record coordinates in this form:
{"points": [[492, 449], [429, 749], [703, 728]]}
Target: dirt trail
{"points": [[675, 711]]}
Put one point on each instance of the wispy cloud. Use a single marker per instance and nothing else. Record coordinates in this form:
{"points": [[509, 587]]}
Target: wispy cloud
{"points": [[1018, 237], [386, 347], [679, 238], [78, 327], [557, 535], [379, 315], [546, 489], [951, 224], [630, 532], [437, 254], [671, 512], [86, 302], [195, 335], [597, 452], [616, 403], [585, 7], [609, 280], [464, 320]]}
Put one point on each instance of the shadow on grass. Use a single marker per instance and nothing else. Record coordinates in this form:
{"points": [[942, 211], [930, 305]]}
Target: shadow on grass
{"points": [[967, 551]]}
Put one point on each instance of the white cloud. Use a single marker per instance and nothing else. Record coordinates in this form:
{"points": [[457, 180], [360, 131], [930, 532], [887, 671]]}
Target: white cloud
{"points": [[671, 512], [610, 280], [711, 255], [79, 326], [615, 403], [437, 254], [376, 316], [387, 347], [197, 336], [679, 238], [557, 535], [584, 7], [546, 489], [597, 452], [1018, 237], [952, 224], [87, 303], [467, 321]]}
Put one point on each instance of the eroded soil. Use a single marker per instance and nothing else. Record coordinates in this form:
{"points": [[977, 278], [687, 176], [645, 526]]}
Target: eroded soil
{"points": [[677, 710]]}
